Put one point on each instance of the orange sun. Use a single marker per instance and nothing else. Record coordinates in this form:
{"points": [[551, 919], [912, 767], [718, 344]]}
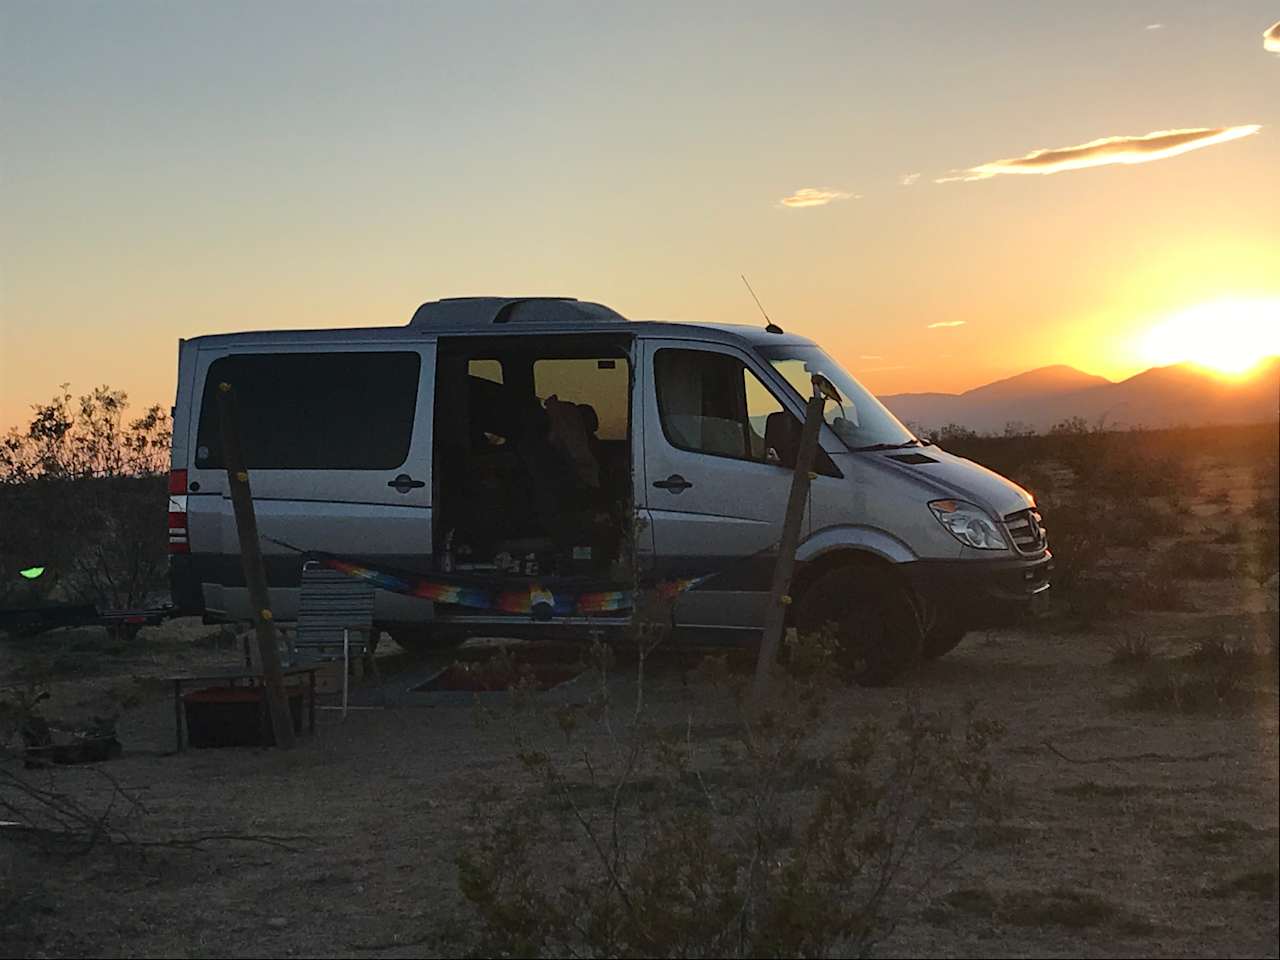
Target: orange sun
{"points": [[1228, 336]]}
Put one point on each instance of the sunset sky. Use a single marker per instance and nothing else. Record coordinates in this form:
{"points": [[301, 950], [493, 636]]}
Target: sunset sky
{"points": [[941, 194]]}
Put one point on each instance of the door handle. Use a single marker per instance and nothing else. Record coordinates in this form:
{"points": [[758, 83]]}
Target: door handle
{"points": [[674, 483], [404, 483]]}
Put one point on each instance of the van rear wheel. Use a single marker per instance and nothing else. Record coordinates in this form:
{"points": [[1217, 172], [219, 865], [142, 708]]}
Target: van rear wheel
{"points": [[874, 618]]}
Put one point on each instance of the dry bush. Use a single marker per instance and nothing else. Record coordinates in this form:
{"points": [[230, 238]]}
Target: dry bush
{"points": [[760, 839], [1137, 523], [82, 493], [1177, 692], [1189, 560], [1218, 674], [1232, 533], [1151, 591], [1263, 553], [1132, 650]]}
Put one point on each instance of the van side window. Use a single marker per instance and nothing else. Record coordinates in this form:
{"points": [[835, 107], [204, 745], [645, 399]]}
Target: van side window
{"points": [[314, 411], [490, 370], [711, 403]]}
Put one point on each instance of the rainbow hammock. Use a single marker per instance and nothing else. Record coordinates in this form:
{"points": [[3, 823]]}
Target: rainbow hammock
{"points": [[538, 599]]}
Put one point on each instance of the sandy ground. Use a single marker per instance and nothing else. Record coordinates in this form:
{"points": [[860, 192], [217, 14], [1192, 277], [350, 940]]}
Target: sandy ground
{"points": [[388, 798]]}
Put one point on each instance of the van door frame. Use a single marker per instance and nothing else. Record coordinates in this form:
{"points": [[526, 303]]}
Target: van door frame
{"points": [[736, 603], [523, 342]]}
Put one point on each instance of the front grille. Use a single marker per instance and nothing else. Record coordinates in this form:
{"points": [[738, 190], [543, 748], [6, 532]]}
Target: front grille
{"points": [[1027, 530]]}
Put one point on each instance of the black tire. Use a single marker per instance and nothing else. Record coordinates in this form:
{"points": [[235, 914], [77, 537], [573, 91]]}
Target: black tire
{"points": [[877, 625], [944, 637]]}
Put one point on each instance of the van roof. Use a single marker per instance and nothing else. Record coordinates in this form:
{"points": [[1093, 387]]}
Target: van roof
{"points": [[459, 316]]}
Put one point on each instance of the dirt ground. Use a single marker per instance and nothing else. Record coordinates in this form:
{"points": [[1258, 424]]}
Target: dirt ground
{"points": [[387, 799], [1131, 830]]}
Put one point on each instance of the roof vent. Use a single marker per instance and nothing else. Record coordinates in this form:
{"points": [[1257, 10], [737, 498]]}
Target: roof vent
{"points": [[484, 311]]}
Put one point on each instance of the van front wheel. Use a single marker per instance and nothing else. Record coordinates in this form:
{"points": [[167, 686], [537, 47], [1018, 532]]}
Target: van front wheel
{"points": [[874, 619], [943, 637]]}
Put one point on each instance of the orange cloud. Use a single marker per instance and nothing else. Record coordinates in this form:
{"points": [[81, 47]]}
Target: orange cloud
{"points": [[1271, 39], [945, 323], [812, 197], [1097, 153]]}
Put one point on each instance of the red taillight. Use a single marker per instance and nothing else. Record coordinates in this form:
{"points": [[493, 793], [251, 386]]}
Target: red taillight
{"points": [[178, 541]]}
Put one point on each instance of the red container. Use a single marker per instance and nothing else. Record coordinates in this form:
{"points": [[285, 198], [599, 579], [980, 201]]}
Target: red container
{"points": [[234, 716]]}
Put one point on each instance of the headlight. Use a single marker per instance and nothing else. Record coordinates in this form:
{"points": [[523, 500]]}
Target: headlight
{"points": [[968, 524]]}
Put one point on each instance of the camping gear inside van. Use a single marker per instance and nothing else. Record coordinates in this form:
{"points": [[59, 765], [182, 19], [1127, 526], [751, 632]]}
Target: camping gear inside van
{"points": [[532, 463]]}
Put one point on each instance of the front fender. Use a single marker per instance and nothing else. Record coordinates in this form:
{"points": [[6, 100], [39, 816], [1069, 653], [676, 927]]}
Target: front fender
{"points": [[855, 537]]}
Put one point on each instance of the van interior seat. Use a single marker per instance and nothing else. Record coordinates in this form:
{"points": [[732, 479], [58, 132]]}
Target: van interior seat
{"points": [[781, 435]]}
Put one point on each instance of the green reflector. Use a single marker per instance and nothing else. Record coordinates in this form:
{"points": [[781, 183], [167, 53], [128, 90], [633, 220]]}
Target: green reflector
{"points": [[31, 572]]}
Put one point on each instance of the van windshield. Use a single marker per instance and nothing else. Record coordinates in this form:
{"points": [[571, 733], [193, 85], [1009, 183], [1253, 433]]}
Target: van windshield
{"points": [[861, 421]]}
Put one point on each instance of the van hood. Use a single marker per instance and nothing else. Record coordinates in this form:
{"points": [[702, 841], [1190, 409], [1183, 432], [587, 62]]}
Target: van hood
{"points": [[952, 477]]}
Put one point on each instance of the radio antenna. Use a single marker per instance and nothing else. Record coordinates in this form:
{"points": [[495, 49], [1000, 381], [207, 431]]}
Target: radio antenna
{"points": [[769, 325]]}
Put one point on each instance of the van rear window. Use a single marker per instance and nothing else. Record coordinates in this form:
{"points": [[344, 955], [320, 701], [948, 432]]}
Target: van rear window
{"points": [[314, 411]]}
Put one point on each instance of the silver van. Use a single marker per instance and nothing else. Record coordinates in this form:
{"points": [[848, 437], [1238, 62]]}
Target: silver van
{"points": [[542, 437]]}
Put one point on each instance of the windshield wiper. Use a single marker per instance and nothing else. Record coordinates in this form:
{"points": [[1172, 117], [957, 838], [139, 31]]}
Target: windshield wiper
{"points": [[884, 446]]}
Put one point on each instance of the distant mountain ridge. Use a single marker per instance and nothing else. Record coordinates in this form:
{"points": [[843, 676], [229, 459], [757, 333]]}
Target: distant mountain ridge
{"points": [[1176, 395]]}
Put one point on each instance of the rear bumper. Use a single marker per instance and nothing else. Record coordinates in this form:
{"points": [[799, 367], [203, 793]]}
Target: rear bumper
{"points": [[982, 592]]}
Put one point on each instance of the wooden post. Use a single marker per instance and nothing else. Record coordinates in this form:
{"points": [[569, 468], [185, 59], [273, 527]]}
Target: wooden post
{"points": [[775, 616], [255, 574]]}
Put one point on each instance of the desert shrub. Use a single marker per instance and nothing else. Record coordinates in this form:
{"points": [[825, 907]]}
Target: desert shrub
{"points": [[1232, 533], [1132, 650], [82, 494], [1077, 537], [1151, 591], [1193, 561], [1070, 427], [953, 433], [1176, 692], [1137, 523], [1217, 674], [87, 439], [784, 844], [1120, 471], [1018, 430], [1087, 600], [1264, 550], [1236, 656]]}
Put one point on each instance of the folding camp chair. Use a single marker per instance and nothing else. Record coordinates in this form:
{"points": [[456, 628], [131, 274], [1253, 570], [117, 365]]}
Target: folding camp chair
{"points": [[332, 607]]}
